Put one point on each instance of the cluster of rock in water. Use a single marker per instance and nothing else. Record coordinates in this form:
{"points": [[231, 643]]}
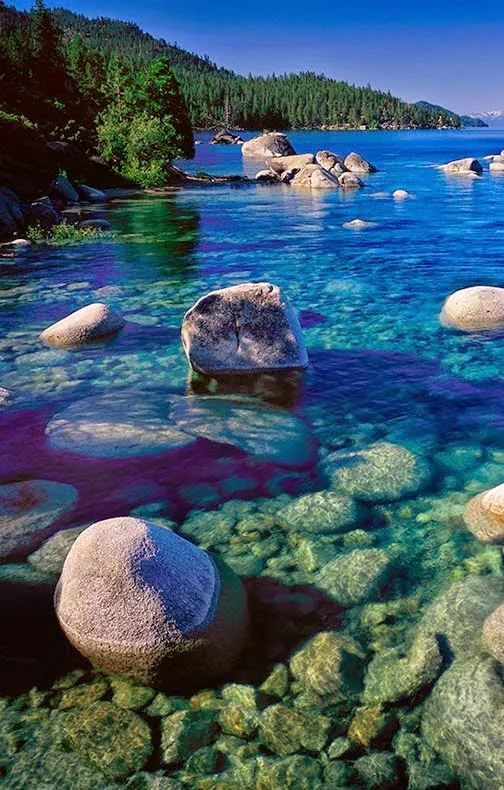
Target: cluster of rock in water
{"points": [[310, 703]]}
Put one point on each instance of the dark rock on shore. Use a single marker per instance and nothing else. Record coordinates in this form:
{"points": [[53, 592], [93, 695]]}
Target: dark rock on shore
{"points": [[223, 136]]}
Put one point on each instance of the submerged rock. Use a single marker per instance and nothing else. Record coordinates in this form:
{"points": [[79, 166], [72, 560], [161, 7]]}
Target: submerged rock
{"points": [[356, 164], [320, 664], [184, 732], [268, 145], [493, 634], [84, 326], [333, 163], [49, 558], [116, 741], [139, 600], [463, 166], [473, 309], [358, 224], [449, 628], [298, 772], [95, 224], [27, 512], [400, 194], [463, 720], [354, 577], [118, 425], [243, 329], [322, 512], [384, 472], [314, 177], [251, 426], [286, 730], [484, 516]]}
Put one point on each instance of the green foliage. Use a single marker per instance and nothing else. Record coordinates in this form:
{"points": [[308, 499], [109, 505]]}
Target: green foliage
{"points": [[64, 234]]}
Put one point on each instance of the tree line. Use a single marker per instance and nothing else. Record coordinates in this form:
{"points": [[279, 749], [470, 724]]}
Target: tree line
{"points": [[133, 99]]}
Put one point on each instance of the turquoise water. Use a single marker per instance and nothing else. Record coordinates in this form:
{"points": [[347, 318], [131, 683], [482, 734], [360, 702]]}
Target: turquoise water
{"points": [[382, 369]]}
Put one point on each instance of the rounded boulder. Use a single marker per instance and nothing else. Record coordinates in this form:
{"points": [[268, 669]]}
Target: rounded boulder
{"points": [[246, 328], [493, 634], [484, 516], [90, 323], [137, 599], [268, 145], [474, 309]]}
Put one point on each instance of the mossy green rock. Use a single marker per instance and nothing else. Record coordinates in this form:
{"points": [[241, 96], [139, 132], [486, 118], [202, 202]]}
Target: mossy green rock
{"points": [[451, 625], [277, 682], [206, 760], [286, 730], [239, 720], [117, 742], [354, 577], [162, 705], [291, 773], [184, 732], [49, 558], [384, 472], [322, 512], [463, 720], [83, 695], [155, 781], [378, 770], [130, 696], [318, 664], [392, 676]]}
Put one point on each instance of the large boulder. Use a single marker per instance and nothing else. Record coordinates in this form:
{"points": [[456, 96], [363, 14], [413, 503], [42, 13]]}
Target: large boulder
{"points": [[28, 510], [90, 323], [42, 213], [281, 164], [463, 720], [246, 328], [497, 167], [384, 472], [484, 516], [473, 309], [139, 600], [267, 145], [357, 164], [314, 177], [91, 194], [333, 163], [463, 166]]}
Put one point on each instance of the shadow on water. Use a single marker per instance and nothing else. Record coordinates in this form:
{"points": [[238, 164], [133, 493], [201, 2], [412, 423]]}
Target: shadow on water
{"points": [[34, 650], [165, 230]]}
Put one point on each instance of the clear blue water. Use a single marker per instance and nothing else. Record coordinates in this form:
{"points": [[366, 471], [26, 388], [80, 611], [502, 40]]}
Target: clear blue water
{"points": [[381, 365]]}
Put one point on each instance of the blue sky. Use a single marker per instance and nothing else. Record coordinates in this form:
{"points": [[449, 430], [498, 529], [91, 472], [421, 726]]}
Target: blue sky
{"points": [[450, 53]]}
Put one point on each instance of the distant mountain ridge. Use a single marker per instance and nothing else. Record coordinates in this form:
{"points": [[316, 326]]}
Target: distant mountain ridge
{"points": [[466, 120], [493, 118]]}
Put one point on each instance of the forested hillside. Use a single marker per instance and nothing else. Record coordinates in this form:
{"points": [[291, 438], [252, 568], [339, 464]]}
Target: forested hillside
{"points": [[216, 95]]}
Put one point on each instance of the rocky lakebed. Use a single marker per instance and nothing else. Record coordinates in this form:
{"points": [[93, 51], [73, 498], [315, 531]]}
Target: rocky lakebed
{"points": [[251, 482]]}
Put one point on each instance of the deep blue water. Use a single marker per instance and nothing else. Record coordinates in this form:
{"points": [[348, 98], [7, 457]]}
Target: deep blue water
{"points": [[381, 365]]}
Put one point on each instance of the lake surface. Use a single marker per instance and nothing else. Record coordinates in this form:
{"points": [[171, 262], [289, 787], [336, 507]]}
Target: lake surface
{"points": [[383, 371]]}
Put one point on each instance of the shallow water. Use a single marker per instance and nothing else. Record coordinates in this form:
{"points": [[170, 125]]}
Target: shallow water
{"points": [[382, 369]]}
